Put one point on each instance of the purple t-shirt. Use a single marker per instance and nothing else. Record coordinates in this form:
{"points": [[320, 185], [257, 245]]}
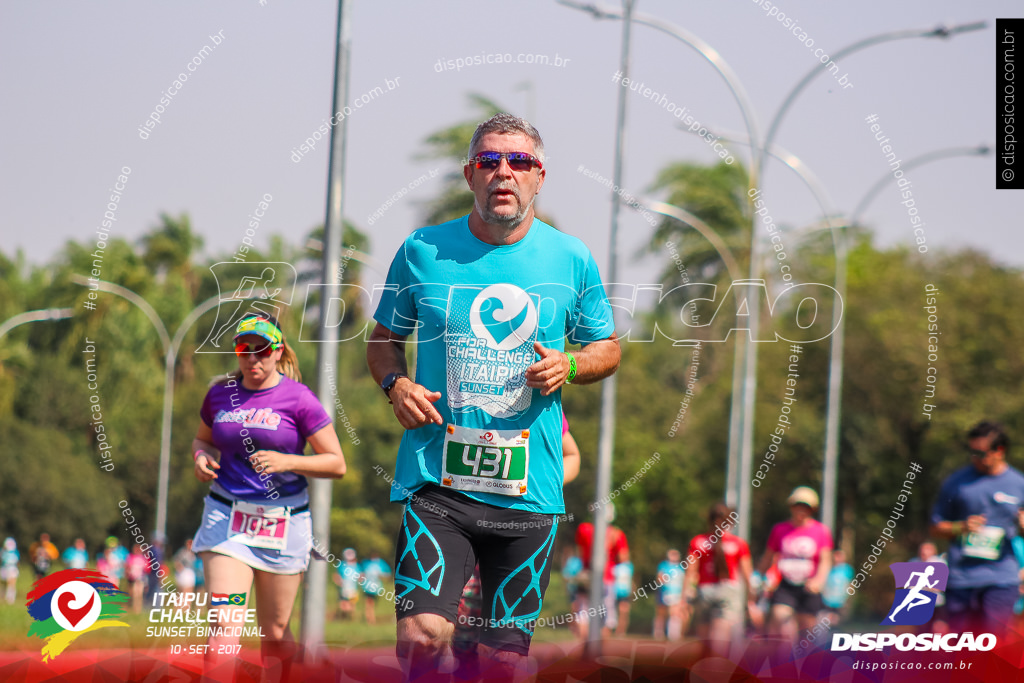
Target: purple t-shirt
{"points": [[280, 419]]}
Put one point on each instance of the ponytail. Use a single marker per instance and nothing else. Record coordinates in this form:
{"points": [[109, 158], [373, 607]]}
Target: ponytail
{"points": [[289, 363]]}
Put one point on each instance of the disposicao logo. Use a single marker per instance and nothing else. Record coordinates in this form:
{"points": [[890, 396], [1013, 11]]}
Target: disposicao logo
{"points": [[914, 605], [69, 603], [921, 582]]}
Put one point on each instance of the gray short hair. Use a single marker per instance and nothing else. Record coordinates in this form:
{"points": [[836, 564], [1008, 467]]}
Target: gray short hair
{"points": [[507, 124]]}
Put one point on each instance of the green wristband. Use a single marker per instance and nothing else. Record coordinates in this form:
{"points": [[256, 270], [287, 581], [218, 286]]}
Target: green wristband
{"points": [[572, 369]]}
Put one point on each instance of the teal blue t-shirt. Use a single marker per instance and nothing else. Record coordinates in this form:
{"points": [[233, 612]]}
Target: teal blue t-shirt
{"points": [[476, 310], [672, 589]]}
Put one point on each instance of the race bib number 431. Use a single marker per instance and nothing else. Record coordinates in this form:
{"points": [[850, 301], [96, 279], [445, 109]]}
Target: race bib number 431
{"points": [[486, 460]]}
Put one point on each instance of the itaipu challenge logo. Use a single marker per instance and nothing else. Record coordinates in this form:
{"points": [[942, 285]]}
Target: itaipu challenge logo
{"points": [[70, 603]]}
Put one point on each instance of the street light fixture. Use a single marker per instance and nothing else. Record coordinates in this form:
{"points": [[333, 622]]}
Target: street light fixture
{"points": [[940, 31]]}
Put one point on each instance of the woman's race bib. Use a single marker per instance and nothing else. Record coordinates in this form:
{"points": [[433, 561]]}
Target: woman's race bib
{"points": [[259, 526]]}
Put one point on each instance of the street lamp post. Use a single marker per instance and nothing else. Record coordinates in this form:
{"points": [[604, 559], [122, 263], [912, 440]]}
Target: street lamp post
{"points": [[34, 316], [606, 428], [837, 224], [314, 596], [750, 121], [839, 240], [741, 427]]}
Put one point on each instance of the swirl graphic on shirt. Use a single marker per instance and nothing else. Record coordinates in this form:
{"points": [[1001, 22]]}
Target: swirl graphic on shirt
{"points": [[488, 347]]}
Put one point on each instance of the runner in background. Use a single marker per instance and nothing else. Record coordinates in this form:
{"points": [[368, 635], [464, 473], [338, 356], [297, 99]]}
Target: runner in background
{"points": [[256, 532], [618, 551], [135, 569], [42, 553], [155, 570], [802, 550], [110, 560], [372, 573], [110, 565], [576, 578], [928, 552], [979, 509], [668, 607], [347, 581], [834, 595], [75, 556], [9, 558], [721, 582], [759, 608], [623, 584], [184, 562]]}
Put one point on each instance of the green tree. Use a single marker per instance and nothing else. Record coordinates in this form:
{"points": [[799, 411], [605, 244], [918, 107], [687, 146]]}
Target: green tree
{"points": [[718, 196], [169, 247]]}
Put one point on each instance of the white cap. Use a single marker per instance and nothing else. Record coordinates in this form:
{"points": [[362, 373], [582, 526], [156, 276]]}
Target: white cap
{"points": [[805, 495]]}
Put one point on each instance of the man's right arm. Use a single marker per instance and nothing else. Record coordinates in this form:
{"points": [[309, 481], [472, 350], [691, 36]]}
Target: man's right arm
{"points": [[412, 403], [952, 529]]}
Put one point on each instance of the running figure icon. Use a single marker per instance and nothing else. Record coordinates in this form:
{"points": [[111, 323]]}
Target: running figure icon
{"points": [[914, 597]]}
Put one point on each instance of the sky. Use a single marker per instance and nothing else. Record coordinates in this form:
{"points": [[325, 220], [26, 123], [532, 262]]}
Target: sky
{"points": [[80, 80]]}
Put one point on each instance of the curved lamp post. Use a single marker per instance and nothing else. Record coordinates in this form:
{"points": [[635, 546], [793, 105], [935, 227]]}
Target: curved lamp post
{"points": [[35, 316]]}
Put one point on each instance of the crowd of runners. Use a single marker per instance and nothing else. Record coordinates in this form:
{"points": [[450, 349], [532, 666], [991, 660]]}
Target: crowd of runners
{"points": [[128, 570]]}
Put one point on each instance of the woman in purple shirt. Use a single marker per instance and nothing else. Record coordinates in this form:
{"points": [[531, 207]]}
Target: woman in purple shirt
{"points": [[256, 527]]}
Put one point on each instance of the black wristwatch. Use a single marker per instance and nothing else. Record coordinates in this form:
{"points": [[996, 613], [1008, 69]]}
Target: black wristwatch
{"points": [[389, 382]]}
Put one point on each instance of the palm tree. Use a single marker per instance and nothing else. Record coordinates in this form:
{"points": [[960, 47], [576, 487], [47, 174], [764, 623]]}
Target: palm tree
{"points": [[169, 247], [717, 195]]}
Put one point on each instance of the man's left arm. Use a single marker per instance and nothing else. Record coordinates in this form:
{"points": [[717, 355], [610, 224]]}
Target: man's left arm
{"points": [[594, 362]]}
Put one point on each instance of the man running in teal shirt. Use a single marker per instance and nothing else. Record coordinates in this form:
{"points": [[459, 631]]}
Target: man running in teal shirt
{"points": [[493, 298]]}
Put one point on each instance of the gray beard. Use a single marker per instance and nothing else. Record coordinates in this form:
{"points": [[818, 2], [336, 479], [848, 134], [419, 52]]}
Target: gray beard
{"points": [[507, 221]]}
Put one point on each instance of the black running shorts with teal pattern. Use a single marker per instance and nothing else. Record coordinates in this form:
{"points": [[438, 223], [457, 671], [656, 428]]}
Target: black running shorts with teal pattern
{"points": [[443, 536]]}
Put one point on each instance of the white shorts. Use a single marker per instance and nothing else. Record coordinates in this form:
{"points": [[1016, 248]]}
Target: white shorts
{"points": [[212, 536], [8, 573]]}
